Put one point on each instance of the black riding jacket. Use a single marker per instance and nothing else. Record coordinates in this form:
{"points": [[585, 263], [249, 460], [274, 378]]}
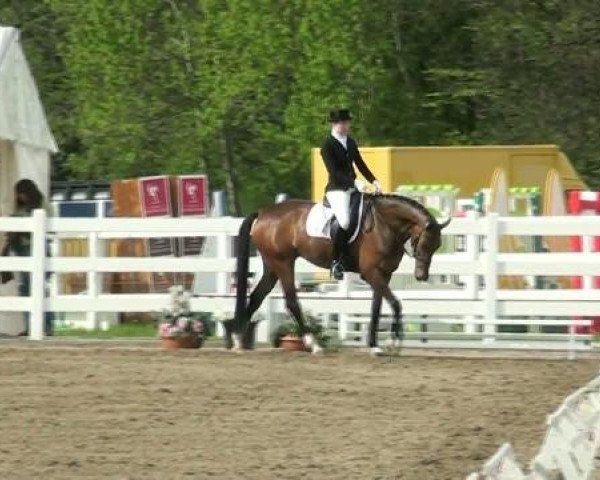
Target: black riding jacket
{"points": [[339, 163]]}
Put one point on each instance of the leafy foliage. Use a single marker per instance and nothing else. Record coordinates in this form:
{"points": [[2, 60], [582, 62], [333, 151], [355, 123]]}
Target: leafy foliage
{"points": [[240, 89], [324, 339]]}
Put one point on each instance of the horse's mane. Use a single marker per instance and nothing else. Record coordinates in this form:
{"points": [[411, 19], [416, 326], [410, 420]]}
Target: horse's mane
{"points": [[408, 201]]}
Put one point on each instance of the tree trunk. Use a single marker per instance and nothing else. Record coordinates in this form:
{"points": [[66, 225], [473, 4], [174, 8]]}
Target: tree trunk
{"points": [[230, 175], [191, 75]]}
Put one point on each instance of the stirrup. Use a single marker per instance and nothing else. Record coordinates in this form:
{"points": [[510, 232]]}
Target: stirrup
{"points": [[337, 270]]}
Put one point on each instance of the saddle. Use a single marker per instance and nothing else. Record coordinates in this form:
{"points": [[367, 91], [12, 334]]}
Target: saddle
{"points": [[321, 221]]}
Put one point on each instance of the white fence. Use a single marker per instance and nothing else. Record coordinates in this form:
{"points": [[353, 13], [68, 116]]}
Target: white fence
{"points": [[474, 310], [569, 449]]}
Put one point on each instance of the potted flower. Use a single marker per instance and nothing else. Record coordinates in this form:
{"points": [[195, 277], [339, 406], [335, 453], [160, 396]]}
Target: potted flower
{"points": [[287, 336], [179, 328]]}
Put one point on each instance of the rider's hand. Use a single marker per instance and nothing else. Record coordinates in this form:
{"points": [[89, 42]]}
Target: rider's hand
{"points": [[377, 186]]}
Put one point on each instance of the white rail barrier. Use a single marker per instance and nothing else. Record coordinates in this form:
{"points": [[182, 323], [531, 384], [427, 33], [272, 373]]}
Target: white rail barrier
{"points": [[569, 449], [503, 465], [477, 305]]}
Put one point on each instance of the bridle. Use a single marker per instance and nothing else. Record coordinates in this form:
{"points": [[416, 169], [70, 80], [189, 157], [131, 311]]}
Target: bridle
{"points": [[414, 243], [425, 259], [421, 258]]}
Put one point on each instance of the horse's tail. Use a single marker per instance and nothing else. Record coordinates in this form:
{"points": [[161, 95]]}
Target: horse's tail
{"points": [[243, 258]]}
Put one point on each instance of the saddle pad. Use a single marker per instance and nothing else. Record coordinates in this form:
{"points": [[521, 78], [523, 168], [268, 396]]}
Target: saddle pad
{"points": [[318, 221]]}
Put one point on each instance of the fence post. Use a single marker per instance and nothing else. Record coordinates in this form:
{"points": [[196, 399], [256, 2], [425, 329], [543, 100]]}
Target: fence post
{"points": [[587, 246], [270, 316], [344, 290], [223, 283], [92, 280], [491, 278], [37, 275], [472, 281]]}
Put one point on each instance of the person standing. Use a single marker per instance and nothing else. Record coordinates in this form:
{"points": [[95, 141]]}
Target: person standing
{"points": [[340, 154], [27, 199]]}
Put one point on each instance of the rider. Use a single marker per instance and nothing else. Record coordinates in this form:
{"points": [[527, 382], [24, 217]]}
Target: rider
{"points": [[340, 152]]}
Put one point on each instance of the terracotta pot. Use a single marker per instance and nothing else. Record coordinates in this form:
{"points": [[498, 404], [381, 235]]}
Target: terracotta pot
{"points": [[292, 343], [188, 341]]}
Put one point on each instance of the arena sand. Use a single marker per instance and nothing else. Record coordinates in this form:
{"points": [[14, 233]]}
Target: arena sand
{"points": [[113, 413]]}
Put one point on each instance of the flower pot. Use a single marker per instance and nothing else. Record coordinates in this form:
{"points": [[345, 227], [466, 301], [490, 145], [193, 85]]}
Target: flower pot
{"points": [[182, 341], [292, 343]]}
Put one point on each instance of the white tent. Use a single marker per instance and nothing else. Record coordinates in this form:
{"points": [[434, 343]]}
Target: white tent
{"points": [[26, 142]]}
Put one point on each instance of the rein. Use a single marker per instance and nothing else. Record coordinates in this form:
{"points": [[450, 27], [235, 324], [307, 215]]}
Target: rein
{"points": [[412, 254]]}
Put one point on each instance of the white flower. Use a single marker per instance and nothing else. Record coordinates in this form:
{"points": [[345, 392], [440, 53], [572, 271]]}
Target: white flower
{"points": [[182, 322]]}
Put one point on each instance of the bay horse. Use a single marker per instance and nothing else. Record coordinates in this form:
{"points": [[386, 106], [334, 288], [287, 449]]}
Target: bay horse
{"points": [[279, 234]]}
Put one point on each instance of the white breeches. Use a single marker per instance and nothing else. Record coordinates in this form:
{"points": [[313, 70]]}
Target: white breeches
{"points": [[340, 204]]}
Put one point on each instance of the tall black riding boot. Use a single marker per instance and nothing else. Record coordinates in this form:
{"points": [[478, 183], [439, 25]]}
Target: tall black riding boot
{"points": [[340, 244]]}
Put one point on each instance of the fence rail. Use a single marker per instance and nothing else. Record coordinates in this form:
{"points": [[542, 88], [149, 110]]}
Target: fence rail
{"points": [[474, 302], [569, 449]]}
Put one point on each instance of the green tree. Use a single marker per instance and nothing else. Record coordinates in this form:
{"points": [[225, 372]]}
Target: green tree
{"points": [[544, 62], [134, 108], [240, 89]]}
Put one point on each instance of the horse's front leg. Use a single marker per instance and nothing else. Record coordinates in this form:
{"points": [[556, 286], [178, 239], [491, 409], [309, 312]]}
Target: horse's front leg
{"points": [[397, 325], [374, 325], [379, 281]]}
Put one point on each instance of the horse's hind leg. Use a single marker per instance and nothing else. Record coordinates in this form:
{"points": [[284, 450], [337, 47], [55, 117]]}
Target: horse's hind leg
{"points": [[260, 292], [286, 276], [258, 295], [285, 272]]}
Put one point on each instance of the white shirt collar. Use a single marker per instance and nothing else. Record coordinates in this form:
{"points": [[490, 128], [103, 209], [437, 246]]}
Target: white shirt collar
{"points": [[343, 139]]}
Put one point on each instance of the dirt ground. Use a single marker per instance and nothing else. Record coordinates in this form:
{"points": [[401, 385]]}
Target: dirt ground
{"points": [[143, 413]]}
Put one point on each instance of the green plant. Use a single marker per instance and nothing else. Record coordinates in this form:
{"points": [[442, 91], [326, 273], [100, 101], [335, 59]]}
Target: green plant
{"points": [[207, 321], [287, 328], [178, 318], [314, 327]]}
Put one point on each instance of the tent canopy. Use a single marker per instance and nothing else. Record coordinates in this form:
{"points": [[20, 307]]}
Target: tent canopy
{"points": [[26, 141]]}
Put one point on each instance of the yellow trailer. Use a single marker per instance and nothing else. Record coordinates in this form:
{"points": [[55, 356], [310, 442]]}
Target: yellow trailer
{"points": [[468, 168]]}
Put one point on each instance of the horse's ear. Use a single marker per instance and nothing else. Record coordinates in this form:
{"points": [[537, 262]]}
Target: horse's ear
{"points": [[445, 224], [431, 225]]}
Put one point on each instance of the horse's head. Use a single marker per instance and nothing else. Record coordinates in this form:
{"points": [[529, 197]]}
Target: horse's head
{"points": [[425, 241], [404, 219]]}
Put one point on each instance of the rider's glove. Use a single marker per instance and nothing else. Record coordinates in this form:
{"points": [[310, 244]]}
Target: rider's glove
{"points": [[377, 186]]}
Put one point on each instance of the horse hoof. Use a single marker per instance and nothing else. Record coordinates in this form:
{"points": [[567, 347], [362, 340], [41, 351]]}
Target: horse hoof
{"points": [[311, 343], [237, 341]]}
